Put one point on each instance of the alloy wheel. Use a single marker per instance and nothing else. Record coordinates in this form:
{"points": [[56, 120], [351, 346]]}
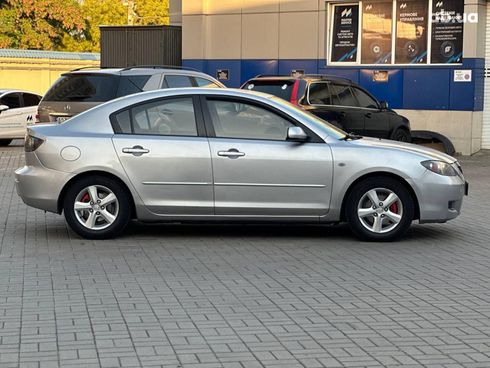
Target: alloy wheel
{"points": [[380, 210], [96, 207]]}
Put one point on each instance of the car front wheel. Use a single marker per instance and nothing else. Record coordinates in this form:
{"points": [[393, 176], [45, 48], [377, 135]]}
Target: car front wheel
{"points": [[380, 209], [97, 207], [401, 135]]}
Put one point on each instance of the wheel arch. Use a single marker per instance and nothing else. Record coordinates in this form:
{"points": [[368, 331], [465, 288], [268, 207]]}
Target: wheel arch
{"points": [[85, 174], [385, 175]]}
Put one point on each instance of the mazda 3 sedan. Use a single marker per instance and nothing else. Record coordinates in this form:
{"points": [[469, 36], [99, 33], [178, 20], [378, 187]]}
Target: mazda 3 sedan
{"points": [[181, 155]]}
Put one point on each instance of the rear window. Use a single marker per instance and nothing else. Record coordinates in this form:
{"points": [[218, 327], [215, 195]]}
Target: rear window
{"points": [[84, 88], [282, 89]]}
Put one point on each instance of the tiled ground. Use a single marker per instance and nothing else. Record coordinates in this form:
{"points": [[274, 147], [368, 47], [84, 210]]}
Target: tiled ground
{"points": [[243, 296]]}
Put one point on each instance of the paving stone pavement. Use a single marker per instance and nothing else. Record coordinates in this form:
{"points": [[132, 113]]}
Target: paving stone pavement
{"points": [[243, 296]]}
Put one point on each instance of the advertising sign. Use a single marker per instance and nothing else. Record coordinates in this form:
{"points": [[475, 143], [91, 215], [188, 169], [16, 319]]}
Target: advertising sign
{"points": [[447, 31], [376, 32], [345, 33], [411, 31]]}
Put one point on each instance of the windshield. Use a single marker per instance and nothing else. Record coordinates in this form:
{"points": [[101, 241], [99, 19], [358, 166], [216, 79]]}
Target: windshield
{"points": [[332, 130]]}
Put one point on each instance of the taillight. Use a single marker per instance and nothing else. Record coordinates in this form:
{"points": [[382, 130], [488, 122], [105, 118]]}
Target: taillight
{"points": [[32, 143], [37, 120], [294, 93]]}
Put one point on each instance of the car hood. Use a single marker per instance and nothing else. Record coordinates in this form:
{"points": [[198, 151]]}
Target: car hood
{"points": [[428, 153]]}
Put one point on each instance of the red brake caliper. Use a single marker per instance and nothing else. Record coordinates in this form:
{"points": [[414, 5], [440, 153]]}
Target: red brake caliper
{"points": [[394, 207], [86, 198]]}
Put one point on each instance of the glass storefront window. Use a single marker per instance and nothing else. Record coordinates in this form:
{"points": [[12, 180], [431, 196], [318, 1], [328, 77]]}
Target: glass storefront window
{"points": [[373, 32]]}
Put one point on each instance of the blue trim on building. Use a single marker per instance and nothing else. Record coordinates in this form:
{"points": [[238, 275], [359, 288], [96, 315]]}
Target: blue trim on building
{"points": [[408, 87]]}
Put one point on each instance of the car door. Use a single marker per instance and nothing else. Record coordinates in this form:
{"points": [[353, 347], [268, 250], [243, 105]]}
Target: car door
{"points": [[30, 102], [12, 122], [351, 117], [164, 151], [257, 172], [376, 121]]}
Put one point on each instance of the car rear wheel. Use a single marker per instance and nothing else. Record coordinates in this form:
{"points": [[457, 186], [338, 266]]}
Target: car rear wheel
{"points": [[401, 135], [97, 207], [5, 142], [380, 209]]}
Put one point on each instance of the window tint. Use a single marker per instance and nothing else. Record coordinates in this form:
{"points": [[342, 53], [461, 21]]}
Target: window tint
{"points": [[319, 94], [342, 95], [84, 88], [364, 99], [241, 120], [31, 100], [122, 123], [178, 81], [205, 83], [131, 84], [281, 88], [12, 100], [167, 117]]}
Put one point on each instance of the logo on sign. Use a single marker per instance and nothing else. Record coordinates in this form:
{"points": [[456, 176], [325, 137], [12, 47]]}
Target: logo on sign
{"points": [[346, 13], [439, 4], [369, 7], [403, 5]]}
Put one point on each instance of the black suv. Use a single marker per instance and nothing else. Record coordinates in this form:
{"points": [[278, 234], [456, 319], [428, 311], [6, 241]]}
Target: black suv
{"points": [[338, 101]]}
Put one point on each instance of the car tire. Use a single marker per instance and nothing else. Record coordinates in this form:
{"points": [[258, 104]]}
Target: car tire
{"points": [[380, 221], [401, 135], [5, 142], [100, 213]]}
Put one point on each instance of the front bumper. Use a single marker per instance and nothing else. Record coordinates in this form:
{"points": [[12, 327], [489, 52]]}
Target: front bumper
{"points": [[440, 197], [40, 187]]}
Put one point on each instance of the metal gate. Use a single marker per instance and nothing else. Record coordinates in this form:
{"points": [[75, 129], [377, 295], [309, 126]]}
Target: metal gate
{"points": [[124, 46]]}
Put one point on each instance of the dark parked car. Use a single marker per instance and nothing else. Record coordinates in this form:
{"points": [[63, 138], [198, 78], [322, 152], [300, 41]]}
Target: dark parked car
{"points": [[339, 101]]}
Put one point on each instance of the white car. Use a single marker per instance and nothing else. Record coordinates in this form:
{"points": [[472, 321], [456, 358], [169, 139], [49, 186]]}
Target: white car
{"points": [[17, 110]]}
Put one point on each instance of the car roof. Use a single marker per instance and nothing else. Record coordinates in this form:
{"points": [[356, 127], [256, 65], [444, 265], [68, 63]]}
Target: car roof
{"points": [[307, 77], [140, 70], [4, 91]]}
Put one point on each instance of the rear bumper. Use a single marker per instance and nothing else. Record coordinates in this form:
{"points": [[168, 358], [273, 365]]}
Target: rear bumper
{"points": [[40, 187], [441, 197]]}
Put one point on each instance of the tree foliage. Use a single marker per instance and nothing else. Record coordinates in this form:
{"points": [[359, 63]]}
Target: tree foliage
{"points": [[38, 24], [71, 25]]}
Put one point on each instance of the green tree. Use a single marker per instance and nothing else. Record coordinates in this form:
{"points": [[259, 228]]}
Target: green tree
{"points": [[95, 13], [151, 12], [38, 24]]}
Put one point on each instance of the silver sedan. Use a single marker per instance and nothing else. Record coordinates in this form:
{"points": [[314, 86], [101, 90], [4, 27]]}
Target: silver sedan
{"points": [[229, 155]]}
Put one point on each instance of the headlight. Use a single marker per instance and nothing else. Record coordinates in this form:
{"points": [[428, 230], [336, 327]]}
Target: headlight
{"points": [[439, 167], [32, 143]]}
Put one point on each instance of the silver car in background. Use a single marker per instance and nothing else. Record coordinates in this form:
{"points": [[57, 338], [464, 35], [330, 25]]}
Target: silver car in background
{"points": [[229, 155]]}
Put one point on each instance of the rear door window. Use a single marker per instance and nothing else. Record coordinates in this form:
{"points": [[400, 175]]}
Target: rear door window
{"points": [[319, 94], [12, 100], [84, 88], [31, 99], [172, 117], [178, 81], [279, 88], [342, 95]]}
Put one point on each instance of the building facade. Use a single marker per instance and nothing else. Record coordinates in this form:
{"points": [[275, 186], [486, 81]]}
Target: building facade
{"points": [[426, 58]]}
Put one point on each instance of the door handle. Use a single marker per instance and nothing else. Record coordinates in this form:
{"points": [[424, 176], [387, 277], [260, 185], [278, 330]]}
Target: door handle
{"points": [[342, 114], [231, 153], [368, 115], [135, 150]]}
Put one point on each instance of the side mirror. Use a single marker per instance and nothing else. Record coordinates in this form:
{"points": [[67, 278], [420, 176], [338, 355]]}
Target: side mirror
{"points": [[296, 133], [383, 105], [3, 108]]}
